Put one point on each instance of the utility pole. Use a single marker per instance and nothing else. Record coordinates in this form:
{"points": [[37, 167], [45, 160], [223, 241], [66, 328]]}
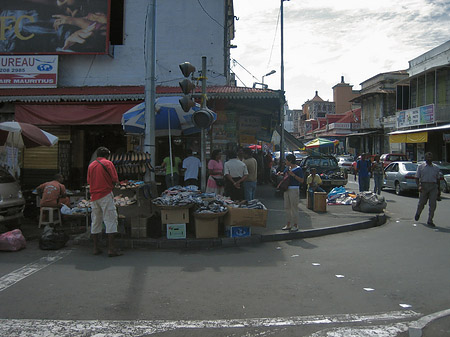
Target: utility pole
{"points": [[282, 101], [150, 87], [203, 130]]}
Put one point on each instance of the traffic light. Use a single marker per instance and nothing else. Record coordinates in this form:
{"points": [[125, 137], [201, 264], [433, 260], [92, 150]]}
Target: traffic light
{"points": [[203, 118], [187, 86]]}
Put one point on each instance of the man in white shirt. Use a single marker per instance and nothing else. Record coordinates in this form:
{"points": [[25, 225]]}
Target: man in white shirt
{"points": [[235, 172], [191, 164]]}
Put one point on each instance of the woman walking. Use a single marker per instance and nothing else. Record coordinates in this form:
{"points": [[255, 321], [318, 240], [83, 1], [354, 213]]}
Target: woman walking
{"points": [[291, 195]]}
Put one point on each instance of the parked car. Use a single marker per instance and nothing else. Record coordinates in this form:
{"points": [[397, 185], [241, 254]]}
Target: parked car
{"points": [[388, 158], [446, 183], [401, 176], [327, 168], [345, 162], [12, 202]]}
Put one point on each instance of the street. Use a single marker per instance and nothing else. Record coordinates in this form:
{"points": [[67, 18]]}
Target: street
{"points": [[371, 282]]}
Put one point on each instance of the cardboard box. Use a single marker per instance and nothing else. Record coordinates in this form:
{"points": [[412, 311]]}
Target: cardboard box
{"points": [[320, 202], [175, 216], [246, 217], [238, 231], [176, 231], [206, 228]]}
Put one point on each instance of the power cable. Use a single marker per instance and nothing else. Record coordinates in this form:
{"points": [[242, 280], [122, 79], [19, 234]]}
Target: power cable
{"points": [[204, 10]]}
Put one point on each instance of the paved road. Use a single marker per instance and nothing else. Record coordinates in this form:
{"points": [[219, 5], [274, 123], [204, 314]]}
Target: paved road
{"points": [[372, 282]]}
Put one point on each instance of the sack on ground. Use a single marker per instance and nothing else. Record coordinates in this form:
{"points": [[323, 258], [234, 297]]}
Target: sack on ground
{"points": [[12, 241], [284, 184], [52, 239], [369, 202], [219, 181]]}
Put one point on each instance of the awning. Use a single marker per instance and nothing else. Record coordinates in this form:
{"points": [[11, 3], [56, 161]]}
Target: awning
{"points": [[416, 137], [434, 128], [71, 114], [291, 142]]}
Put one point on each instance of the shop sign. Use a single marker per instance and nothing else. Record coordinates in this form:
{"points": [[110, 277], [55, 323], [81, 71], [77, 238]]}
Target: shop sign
{"points": [[30, 71], [416, 116], [344, 126], [446, 137], [43, 27]]}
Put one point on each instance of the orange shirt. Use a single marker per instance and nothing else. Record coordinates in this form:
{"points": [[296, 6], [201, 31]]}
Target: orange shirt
{"points": [[51, 192]]}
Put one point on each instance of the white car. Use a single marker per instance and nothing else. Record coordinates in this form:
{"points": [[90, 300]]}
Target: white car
{"points": [[345, 162], [12, 202]]}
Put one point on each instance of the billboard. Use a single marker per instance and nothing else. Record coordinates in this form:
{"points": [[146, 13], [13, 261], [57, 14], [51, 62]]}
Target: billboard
{"points": [[28, 71], [54, 26], [416, 116]]}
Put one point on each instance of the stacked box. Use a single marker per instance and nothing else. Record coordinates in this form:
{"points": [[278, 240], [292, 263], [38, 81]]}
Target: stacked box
{"points": [[175, 216], [246, 217], [206, 227], [176, 231], [238, 231]]}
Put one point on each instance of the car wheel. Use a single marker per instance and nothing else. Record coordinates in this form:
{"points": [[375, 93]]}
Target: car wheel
{"points": [[398, 189]]}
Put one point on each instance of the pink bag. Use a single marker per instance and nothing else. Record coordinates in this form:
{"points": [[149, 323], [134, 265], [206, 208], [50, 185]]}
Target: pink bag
{"points": [[12, 241]]}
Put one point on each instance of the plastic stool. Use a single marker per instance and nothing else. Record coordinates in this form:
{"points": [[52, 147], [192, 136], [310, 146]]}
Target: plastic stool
{"points": [[51, 218]]}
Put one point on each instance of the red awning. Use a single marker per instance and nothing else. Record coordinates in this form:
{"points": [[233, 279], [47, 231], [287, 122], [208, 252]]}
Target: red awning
{"points": [[72, 114]]}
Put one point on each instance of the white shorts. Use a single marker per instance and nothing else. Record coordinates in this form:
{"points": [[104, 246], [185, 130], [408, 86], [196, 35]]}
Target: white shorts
{"points": [[104, 211]]}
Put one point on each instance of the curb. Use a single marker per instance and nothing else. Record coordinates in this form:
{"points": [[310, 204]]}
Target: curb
{"points": [[378, 220]]}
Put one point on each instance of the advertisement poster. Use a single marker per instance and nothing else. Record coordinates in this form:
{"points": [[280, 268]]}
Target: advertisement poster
{"points": [[54, 26], [32, 71], [416, 116]]}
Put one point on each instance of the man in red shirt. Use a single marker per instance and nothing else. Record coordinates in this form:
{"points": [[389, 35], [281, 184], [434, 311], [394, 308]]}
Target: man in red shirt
{"points": [[101, 177], [53, 193]]}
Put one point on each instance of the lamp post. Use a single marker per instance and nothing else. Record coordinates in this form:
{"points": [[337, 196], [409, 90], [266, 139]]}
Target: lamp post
{"points": [[268, 74]]}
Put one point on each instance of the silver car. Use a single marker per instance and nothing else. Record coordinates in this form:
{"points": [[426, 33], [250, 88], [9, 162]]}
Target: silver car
{"points": [[400, 175], [12, 202]]}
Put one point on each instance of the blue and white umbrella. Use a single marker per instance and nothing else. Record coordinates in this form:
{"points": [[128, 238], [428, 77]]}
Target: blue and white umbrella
{"points": [[168, 115]]}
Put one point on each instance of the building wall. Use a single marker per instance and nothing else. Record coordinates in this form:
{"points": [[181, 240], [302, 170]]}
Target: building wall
{"points": [[184, 32]]}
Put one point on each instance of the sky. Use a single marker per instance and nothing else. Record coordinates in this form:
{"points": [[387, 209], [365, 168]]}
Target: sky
{"points": [[327, 39]]}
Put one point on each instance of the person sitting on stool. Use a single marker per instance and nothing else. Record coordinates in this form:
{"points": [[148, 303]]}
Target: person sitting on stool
{"points": [[314, 182], [53, 193]]}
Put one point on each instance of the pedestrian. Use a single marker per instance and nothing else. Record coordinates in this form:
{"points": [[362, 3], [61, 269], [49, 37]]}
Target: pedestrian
{"points": [[53, 193], [378, 174], [251, 181], [291, 195], [101, 177], [216, 181], [172, 170], [428, 181], [236, 173], [191, 164], [268, 162], [314, 181], [363, 172]]}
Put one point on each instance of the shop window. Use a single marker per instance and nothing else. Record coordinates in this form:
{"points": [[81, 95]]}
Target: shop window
{"points": [[116, 25]]}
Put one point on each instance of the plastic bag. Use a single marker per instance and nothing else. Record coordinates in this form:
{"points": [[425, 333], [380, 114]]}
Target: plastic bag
{"points": [[52, 239], [66, 210], [369, 202], [12, 241]]}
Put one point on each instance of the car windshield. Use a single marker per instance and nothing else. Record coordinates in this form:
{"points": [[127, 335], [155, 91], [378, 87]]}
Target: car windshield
{"points": [[394, 157], [410, 167], [330, 162], [348, 159], [5, 177]]}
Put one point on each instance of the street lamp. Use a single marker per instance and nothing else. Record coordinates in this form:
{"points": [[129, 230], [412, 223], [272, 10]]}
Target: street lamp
{"points": [[268, 74]]}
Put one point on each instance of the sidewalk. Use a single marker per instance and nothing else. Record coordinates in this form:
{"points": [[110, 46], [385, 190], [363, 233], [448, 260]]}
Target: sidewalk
{"points": [[337, 219]]}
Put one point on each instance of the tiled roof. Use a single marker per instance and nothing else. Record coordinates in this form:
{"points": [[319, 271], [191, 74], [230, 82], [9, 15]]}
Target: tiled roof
{"points": [[125, 93]]}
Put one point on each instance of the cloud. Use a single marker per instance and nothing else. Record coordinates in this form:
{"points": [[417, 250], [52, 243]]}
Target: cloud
{"points": [[325, 39]]}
